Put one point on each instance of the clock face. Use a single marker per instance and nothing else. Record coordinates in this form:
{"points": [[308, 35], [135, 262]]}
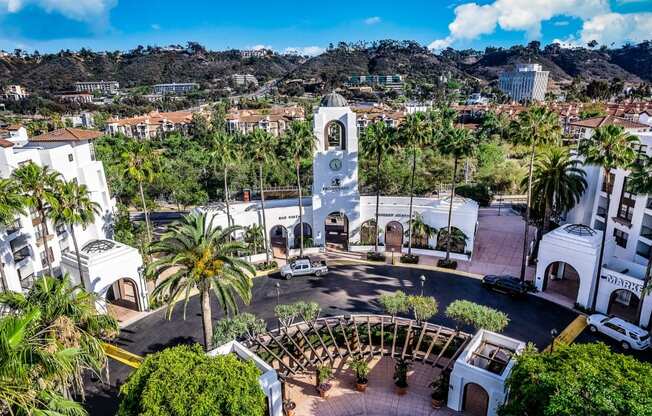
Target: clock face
{"points": [[335, 164]]}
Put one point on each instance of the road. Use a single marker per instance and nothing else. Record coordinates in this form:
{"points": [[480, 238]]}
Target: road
{"points": [[346, 289]]}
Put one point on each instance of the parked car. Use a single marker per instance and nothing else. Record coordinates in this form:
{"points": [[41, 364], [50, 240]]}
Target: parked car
{"points": [[628, 334], [302, 267], [509, 285]]}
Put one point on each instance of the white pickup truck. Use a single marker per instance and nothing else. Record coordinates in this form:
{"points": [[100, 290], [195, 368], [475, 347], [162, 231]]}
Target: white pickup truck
{"points": [[303, 266]]}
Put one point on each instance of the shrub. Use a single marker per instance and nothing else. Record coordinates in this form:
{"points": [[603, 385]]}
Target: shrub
{"points": [[447, 264], [184, 381], [409, 259], [244, 324], [423, 307], [394, 303], [464, 312], [286, 314], [373, 256], [478, 192], [401, 369], [361, 369], [264, 266]]}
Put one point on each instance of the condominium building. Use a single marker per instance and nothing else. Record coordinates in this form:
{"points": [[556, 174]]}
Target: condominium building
{"points": [[175, 89], [272, 120], [244, 79], [76, 97], [568, 256], [104, 87], [151, 125], [15, 92], [394, 82], [15, 133], [528, 82]]}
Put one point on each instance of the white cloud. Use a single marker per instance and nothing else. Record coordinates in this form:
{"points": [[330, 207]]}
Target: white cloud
{"points": [[156, 26], [473, 20], [260, 47], [372, 20], [304, 50], [617, 28], [81, 10]]}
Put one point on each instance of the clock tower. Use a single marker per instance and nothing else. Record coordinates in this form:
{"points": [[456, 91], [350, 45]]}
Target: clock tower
{"points": [[335, 196]]}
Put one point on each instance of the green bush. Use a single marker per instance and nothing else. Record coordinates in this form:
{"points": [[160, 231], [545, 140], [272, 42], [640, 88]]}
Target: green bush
{"points": [[409, 259], [373, 256], [423, 307], [478, 192], [264, 266], [184, 381], [394, 303], [464, 312]]}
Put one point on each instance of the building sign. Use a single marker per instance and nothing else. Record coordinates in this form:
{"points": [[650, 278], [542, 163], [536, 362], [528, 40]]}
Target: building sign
{"points": [[395, 214], [637, 288], [288, 217]]}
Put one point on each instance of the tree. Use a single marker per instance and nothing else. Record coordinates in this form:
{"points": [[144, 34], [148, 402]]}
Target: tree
{"points": [[423, 307], [457, 239], [139, 166], [378, 140], [38, 186], [75, 207], [241, 325], [253, 237], [261, 147], [420, 230], [12, 204], [611, 148], [415, 133], [640, 182], [195, 255], [464, 312], [224, 154], [219, 385], [558, 183], [394, 303], [459, 143], [535, 127], [300, 143], [578, 380]]}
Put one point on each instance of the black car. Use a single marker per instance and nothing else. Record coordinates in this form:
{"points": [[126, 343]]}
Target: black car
{"points": [[505, 284]]}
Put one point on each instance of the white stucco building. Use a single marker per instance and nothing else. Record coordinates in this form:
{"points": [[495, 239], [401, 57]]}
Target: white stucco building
{"points": [[527, 82], [568, 256], [336, 215], [69, 152]]}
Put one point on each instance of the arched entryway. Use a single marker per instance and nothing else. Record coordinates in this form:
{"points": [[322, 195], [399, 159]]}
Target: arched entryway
{"points": [[368, 233], [336, 228], [307, 235], [393, 237], [562, 279], [278, 239], [124, 293], [624, 304], [476, 400]]}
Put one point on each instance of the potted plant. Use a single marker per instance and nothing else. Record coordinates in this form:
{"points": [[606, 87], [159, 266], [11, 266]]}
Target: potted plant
{"points": [[289, 407], [401, 369], [439, 391], [361, 369], [324, 373]]}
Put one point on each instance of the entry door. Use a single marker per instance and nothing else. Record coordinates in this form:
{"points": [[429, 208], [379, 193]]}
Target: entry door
{"points": [[476, 400], [393, 237]]}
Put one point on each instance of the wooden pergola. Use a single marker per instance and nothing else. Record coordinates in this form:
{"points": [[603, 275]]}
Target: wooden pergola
{"points": [[303, 346]]}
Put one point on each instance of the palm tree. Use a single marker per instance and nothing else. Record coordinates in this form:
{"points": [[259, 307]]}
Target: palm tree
{"points": [[262, 146], [535, 127], [224, 154], [457, 238], [459, 143], [610, 147], [378, 139], [420, 229], [300, 143], [195, 255], [253, 236], [140, 167], [640, 182], [415, 132], [67, 318], [75, 207], [38, 186], [558, 181], [12, 204]]}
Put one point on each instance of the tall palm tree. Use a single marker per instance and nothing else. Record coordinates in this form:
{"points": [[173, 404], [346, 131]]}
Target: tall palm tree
{"points": [[458, 143], [12, 204], [378, 139], [558, 181], [139, 166], [300, 143], [225, 153], [415, 133], [535, 127], [38, 186], [253, 237], [640, 182], [75, 207], [262, 148], [611, 148], [195, 255]]}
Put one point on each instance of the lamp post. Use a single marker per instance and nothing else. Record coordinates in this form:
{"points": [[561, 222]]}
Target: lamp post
{"points": [[278, 293], [553, 335], [423, 282]]}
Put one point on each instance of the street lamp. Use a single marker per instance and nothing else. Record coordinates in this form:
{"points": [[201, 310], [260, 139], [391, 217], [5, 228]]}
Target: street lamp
{"points": [[278, 293], [553, 335], [423, 282]]}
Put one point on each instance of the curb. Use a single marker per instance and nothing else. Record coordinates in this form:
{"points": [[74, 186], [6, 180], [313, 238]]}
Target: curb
{"points": [[348, 262]]}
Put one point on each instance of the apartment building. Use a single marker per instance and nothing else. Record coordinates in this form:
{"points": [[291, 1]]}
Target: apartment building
{"points": [[394, 82], [76, 97], [256, 53], [151, 125], [15, 92], [244, 79], [103, 87], [15, 133], [272, 120], [568, 256], [366, 115], [528, 82], [175, 89]]}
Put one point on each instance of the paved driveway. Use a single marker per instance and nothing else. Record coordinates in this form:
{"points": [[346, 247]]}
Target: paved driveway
{"points": [[347, 289]]}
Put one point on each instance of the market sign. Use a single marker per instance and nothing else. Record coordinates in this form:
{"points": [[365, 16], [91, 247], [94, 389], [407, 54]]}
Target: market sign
{"points": [[627, 284]]}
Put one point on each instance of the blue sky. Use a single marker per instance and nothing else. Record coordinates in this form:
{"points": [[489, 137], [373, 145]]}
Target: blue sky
{"points": [[50, 25]]}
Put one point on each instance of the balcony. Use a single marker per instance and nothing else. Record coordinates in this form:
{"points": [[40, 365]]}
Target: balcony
{"points": [[13, 227], [21, 254], [40, 240]]}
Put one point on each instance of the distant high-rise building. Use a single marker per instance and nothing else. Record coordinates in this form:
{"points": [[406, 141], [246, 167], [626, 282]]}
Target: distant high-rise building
{"points": [[388, 81], [528, 82]]}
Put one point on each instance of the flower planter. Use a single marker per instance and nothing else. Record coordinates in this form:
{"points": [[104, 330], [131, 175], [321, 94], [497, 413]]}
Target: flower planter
{"points": [[289, 407], [401, 391], [447, 264], [437, 403], [361, 385]]}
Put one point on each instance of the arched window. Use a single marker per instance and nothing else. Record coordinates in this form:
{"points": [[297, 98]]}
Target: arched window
{"points": [[335, 138]]}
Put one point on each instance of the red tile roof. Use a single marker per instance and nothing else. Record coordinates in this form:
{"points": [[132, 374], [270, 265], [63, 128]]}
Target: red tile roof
{"points": [[5, 143], [67, 135], [595, 122]]}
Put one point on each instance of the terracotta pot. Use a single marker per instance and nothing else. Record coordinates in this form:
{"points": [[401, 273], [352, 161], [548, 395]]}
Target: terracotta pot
{"points": [[323, 394], [361, 387], [401, 391], [289, 408], [436, 403], [289, 412]]}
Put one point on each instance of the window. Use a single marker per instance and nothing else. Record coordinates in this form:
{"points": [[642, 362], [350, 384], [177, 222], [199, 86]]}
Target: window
{"points": [[14, 226], [627, 202], [60, 229], [608, 188], [70, 157], [615, 327], [621, 238], [44, 261], [335, 135]]}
